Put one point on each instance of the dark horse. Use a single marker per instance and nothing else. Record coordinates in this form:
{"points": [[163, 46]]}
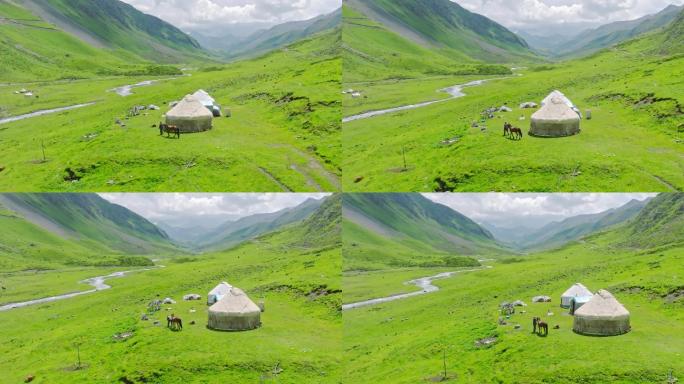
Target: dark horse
{"points": [[174, 323], [169, 129], [535, 321], [543, 327], [514, 132]]}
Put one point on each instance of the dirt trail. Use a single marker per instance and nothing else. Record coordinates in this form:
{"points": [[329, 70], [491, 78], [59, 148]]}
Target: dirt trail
{"points": [[424, 283]]}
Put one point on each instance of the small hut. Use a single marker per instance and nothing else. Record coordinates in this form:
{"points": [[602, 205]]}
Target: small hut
{"points": [[190, 115], [603, 315], [234, 312], [555, 119], [218, 292], [576, 291]]}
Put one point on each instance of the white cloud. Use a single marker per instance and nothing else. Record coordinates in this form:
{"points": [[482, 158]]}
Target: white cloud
{"points": [[531, 208], [535, 14], [191, 14]]}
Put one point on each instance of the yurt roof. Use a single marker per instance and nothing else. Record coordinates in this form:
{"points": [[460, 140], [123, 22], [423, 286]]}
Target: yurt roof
{"points": [[557, 110], [221, 288], [190, 106], [235, 302], [560, 95], [204, 97], [603, 304], [577, 289]]}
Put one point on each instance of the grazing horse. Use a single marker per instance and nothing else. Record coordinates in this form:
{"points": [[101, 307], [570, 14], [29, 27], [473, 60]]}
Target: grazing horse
{"points": [[507, 128], [169, 129], [516, 132], [543, 327], [535, 321], [174, 323]]}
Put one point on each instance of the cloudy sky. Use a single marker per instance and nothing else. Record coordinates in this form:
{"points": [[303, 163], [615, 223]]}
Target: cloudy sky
{"points": [[531, 209], [200, 14], [181, 209], [538, 15]]}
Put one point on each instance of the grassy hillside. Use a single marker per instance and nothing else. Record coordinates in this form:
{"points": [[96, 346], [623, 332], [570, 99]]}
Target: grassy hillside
{"points": [[373, 51], [283, 134], [115, 24], [403, 230], [632, 143], [405, 341], [33, 49], [90, 217], [659, 224], [43, 232]]}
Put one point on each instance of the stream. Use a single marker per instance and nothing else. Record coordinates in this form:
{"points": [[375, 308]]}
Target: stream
{"points": [[455, 92], [42, 112], [97, 282], [424, 283]]}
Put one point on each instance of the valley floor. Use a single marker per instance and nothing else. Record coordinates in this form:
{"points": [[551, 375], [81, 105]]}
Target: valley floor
{"points": [[404, 341], [632, 143]]}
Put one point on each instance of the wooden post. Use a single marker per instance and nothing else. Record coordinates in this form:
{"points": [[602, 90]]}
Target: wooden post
{"points": [[403, 154], [445, 370], [42, 146]]}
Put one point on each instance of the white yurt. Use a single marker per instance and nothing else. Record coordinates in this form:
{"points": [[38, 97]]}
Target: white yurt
{"points": [[234, 312], [208, 102], [555, 119], [560, 95], [577, 302], [603, 315], [190, 115], [218, 292], [578, 290]]}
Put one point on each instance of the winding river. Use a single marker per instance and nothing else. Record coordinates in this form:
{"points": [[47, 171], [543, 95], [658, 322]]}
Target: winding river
{"points": [[455, 92], [42, 112], [98, 284], [424, 283]]}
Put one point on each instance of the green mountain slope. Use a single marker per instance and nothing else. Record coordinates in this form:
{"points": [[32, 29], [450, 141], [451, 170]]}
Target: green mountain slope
{"points": [[34, 49], [399, 39], [235, 232], [409, 230], [115, 24], [278, 36], [660, 223], [88, 217], [445, 24], [558, 233], [613, 33]]}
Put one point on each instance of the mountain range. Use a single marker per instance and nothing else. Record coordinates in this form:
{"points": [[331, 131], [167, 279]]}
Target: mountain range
{"points": [[229, 44], [595, 39], [558, 233], [233, 232]]}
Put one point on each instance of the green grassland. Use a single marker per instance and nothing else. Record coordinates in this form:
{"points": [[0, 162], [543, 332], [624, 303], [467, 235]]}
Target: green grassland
{"points": [[632, 143], [298, 342], [404, 341], [283, 134]]}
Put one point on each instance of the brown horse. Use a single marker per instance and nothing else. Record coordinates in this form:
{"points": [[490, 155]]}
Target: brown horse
{"points": [[543, 327], [174, 323], [535, 321], [169, 129], [507, 128], [516, 133]]}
